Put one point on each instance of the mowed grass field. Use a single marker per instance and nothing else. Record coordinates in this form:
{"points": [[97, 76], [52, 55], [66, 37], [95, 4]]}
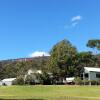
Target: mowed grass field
{"points": [[54, 92]]}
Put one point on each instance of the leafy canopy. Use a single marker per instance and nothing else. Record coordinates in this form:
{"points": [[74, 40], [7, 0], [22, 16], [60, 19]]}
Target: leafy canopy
{"points": [[61, 59]]}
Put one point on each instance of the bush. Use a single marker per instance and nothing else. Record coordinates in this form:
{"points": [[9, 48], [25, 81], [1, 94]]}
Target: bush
{"points": [[95, 82], [98, 82], [92, 82], [32, 79], [46, 79], [29, 79], [85, 82], [19, 80], [78, 81]]}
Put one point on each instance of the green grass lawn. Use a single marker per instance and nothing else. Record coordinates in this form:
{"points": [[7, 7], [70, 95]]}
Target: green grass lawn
{"points": [[54, 92]]}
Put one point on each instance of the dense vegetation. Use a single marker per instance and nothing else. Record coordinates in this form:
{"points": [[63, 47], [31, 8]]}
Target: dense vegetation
{"points": [[10, 68], [65, 61]]}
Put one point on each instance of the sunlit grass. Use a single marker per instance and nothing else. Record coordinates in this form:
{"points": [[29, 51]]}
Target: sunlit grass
{"points": [[54, 92]]}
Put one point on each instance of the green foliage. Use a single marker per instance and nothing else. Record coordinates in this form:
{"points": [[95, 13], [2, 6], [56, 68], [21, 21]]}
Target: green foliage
{"points": [[8, 71], [62, 58], [64, 62], [91, 82], [34, 78], [86, 82], [9, 68], [78, 81], [98, 82], [94, 44], [47, 79], [19, 80], [85, 59], [29, 79]]}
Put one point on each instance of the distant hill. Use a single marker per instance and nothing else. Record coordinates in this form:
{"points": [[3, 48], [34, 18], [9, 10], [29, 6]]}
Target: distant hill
{"points": [[14, 67], [25, 59]]}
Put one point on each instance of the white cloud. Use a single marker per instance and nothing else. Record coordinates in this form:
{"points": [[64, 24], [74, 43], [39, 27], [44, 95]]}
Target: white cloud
{"points": [[74, 24], [76, 18], [39, 54]]}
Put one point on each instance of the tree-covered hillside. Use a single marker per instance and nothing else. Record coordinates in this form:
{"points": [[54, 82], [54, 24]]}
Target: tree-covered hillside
{"points": [[64, 61], [16, 67]]}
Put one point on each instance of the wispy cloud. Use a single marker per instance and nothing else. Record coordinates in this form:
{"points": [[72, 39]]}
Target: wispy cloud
{"points": [[76, 18], [74, 21], [39, 54]]}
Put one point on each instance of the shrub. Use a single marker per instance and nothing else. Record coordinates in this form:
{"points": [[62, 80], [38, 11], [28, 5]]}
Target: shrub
{"points": [[19, 80], [85, 82], [46, 79], [78, 81], [29, 79], [92, 82], [98, 82], [34, 78]]}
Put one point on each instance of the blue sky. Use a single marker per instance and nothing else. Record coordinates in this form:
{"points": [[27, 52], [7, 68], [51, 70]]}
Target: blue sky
{"points": [[27, 26]]}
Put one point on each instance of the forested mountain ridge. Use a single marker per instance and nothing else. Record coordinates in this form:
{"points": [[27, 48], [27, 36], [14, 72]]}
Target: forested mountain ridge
{"points": [[15, 67], [65, 61]]}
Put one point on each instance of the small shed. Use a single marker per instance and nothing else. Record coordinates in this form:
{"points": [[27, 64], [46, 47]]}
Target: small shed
{"points": [[91, 73], [70, 79], [31, 71], [0, 83], [8, 81]]}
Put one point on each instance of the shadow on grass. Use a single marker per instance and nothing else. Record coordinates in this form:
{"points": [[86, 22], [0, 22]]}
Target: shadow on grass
{"points": [[21, 99]]}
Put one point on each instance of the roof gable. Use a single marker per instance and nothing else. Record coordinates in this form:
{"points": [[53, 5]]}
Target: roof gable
{"points": [[91, 69]]}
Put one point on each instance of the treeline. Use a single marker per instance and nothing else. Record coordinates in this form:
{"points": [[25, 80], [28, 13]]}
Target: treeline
{"points": [[65, 61], [10, 68]]}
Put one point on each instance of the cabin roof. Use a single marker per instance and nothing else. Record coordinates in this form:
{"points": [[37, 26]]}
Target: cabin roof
{"points": [[91, 69], [8, 79]]}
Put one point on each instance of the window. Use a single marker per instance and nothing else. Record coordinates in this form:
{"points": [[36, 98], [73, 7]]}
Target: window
{"points": [[86, 75], [97, 75]]}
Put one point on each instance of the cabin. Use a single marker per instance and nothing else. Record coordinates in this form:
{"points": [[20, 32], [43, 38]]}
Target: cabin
{"points": [[33, 72], [91, 73], [7, 81], [0, 83], [70, 80]]}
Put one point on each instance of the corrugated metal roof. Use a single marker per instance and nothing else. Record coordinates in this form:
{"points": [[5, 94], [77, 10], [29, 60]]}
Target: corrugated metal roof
{"points": [[8, 79], [30, 71], [70, 79], [91, 69]]}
